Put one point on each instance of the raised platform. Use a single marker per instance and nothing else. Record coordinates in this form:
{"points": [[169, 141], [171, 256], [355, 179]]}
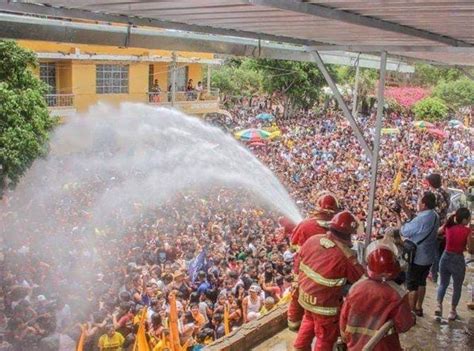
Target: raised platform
{"points": [[428, 333], [254, 333], [269, 333]]}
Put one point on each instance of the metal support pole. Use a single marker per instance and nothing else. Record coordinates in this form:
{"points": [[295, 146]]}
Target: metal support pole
{"points": [[208, 79], [375, 155], [356, 90], [342, 103], [173, 78]]}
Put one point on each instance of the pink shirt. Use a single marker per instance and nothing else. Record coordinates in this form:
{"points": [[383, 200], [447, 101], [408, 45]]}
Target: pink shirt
{"points": [[456, 238]]}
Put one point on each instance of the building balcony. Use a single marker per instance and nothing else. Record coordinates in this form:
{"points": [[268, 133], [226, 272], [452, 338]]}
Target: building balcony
{"points": [[61, 105], [191, 102]]}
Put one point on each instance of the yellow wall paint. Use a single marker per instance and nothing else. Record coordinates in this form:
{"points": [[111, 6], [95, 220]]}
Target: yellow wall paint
{"points": [[64, 77], [195, 72], [79, 76], [84, 87], [161, 73]]}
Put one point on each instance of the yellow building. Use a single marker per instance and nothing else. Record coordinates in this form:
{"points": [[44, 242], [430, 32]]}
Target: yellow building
{"points": [[82, 75]]}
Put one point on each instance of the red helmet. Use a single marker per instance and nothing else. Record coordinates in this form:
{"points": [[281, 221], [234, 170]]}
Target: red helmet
{"points": [[287, 224], [382, 263], [327, 202], [344, 224]]}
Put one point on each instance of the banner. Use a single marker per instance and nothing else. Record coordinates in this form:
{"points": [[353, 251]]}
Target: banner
{"points": [[173, 324], [80, 343], [396, 182], [226, 319], [141, 343], [197, 264]]}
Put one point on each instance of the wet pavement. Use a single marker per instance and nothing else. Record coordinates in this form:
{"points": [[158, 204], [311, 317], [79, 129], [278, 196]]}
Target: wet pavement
{"points": [[428, 334]]}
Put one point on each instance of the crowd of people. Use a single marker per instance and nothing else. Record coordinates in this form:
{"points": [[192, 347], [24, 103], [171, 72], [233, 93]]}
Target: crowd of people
{"points": [[225, 260]]}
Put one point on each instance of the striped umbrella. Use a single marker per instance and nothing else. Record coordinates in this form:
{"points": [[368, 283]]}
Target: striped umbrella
{"points": [[252, 135]]}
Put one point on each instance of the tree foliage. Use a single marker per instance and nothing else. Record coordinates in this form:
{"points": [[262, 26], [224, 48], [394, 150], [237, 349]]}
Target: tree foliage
{"points": [[430, 109], [428, 76], [367, 81], [299, 82], [25, 121], [237, 78], [456, 94]]}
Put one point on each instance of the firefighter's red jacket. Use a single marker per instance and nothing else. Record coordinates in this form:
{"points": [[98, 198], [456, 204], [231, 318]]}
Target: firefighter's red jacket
{"points": [[367, 307], [326, 265]]}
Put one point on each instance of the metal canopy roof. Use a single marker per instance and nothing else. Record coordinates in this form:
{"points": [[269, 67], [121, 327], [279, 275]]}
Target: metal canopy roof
{"points": [[432, 30]]}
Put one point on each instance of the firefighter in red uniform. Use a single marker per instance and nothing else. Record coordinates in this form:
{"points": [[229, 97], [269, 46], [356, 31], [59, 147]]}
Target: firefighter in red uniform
{"points": [[372, 302], [288, 227], [326, 264], [326, 208]]}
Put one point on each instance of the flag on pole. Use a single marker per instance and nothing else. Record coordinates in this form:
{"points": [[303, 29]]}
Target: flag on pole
{"points": [[396, 182], [197, 264], [141, 343], [226, 319], [173, 324], [80, 343]]}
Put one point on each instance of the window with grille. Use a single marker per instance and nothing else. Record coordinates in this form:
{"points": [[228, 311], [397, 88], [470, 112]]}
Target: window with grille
{"points": [[48, 75], [111, 79]]}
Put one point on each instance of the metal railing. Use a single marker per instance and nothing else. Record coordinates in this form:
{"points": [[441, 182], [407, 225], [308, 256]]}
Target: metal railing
{"points": [[183, 96], [59, 100]]}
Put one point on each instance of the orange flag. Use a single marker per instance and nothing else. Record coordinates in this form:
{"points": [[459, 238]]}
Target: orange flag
{"points": [[141, 343], [173, 324], [80, 343], [226, 319], [396, 182]]}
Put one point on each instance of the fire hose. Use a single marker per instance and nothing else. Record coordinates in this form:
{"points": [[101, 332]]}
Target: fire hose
{"points": [[374, 340]]}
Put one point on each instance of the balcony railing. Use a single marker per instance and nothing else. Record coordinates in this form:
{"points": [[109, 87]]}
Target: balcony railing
{"points": [[182, 97], [60, 100]]}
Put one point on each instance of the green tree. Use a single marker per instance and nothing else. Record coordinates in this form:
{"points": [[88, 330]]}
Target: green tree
{"points": [[237, 78], [430, 109], [456, 94], [300, 83], [24, 118], [367, 79], [427, 75]]}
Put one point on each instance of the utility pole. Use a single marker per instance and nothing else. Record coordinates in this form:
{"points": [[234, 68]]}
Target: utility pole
{"points": [[173, 78]]}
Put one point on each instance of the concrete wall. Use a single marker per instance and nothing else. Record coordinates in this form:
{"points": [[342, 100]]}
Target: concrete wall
{"points": [[64, 77], [253, 333], [161, 73], [78, 77], [195, 72]]}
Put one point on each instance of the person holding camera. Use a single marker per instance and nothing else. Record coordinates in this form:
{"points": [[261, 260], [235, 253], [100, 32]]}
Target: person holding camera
{"points": [[420, 243]]}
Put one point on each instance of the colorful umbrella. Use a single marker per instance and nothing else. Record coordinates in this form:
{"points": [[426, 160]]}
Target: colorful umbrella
{"points": [[257, 144], [454, 123], [423, 124], [265, 116], [438, 133], [252, 135]]}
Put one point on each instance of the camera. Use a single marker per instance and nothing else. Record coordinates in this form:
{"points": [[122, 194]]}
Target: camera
{"points": [[395, 206]]}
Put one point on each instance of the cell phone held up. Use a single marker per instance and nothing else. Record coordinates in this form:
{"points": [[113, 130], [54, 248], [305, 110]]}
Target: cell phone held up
{"points": [[395, 206]]}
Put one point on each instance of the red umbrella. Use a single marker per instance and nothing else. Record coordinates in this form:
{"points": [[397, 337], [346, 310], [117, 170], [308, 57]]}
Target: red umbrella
{"points": [[438, 133]]}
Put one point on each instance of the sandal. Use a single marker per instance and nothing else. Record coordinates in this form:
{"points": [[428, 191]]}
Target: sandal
{"points": [[419, 312], [452, 316], [439, 311]]}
